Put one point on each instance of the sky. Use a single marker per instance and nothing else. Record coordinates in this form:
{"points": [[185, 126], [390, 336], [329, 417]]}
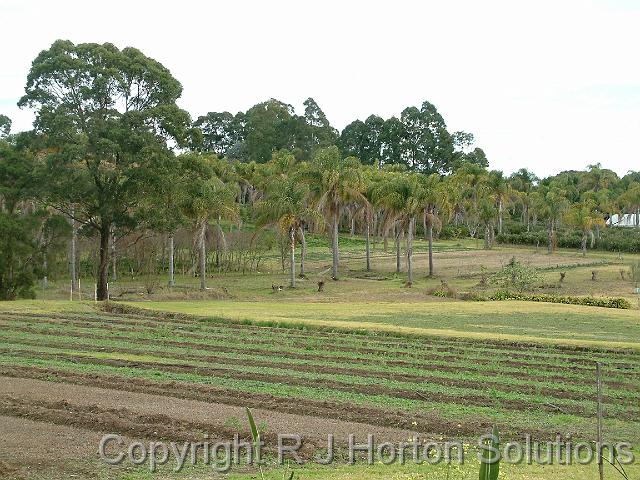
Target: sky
{"points": [[546, 85]]}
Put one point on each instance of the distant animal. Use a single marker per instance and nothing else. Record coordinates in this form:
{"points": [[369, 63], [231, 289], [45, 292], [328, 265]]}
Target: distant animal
{"points": [[594, 275], [562, 275], [276, 288], [321, 286]]}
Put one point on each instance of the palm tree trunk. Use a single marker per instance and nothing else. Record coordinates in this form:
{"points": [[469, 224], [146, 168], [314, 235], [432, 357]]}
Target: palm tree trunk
{"points": [[424, 225], [430, 239], [398, 251], [303, 252], [368, 250], [292, 258], [172, 280], [334, 246], [500, 217], [410, 253], [203, 255]]}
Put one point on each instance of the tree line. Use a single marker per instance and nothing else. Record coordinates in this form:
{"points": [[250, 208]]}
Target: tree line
{"points": [[112, 156]]}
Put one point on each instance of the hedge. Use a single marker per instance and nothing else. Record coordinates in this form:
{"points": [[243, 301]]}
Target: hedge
{"points": [[606, 302]]}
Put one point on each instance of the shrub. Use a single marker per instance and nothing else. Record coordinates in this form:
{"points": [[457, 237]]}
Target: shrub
{"points": [[606, 302], [516, 275]]}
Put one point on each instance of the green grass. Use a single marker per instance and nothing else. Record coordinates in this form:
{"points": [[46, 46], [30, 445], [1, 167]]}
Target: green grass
{"points": [[512, 321]]}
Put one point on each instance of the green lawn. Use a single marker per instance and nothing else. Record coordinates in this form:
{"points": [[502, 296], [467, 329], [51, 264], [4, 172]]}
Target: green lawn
{"points": [[512, 321]]}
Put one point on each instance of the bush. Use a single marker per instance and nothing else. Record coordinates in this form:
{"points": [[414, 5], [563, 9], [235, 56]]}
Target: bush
{"points": [[515, 275], [443, 291], [611, 239], [449, 232], [606, 302]]}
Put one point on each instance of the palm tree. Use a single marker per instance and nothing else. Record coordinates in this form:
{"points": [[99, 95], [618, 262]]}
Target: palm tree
{"points": [[631, 200], [334, 182], [205, 196], [550, 204], [286, 204], [499, 188], [583, 217], [523, 182], [401, 197], [432, 198]]}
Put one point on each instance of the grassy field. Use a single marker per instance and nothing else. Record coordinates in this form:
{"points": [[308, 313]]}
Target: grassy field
{"points": [[366, 354], [442, 386]]}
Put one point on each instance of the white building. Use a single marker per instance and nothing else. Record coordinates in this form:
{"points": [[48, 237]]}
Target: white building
{"points": [[626, 220]]}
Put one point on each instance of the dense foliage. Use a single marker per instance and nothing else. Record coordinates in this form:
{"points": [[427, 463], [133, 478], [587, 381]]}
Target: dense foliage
{"points": [[113, 153]]}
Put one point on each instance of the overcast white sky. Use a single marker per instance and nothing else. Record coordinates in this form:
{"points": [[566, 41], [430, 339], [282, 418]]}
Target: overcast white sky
{"points": [[547, 85]]}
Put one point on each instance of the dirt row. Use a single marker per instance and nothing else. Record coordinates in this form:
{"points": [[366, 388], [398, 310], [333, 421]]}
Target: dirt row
{"points": [[141, 415], [322, 369], [577, 364], [153, 318], [427, 421], [371, 389], [118, 309], [284, 354]]}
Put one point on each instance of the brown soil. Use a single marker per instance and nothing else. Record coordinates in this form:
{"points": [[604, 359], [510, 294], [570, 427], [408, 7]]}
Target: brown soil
{"points": [[556, 370], [218, 361], [371, 389], [427, 422]]}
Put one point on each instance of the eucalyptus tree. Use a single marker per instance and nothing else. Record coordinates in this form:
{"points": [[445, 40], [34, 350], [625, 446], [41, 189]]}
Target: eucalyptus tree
{"points": [[334, 182], [110, 117], [5, 126]]}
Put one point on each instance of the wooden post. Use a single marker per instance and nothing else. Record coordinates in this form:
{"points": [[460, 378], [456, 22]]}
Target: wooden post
{"points": [[599, 444]]}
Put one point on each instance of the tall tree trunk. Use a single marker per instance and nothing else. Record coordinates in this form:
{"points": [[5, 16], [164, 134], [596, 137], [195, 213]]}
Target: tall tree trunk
{"points": [[368, 248], [203, 255], [550, 237], [398, 266], [114, 260], [638, 218], [500, 217], [73, 263], [292, 235], [172, 280], [353, 225], [334, 246], [584, 244], [410, 252], [486, 237], [103, 267], [430, 239], [303, 252], [425, 225]]}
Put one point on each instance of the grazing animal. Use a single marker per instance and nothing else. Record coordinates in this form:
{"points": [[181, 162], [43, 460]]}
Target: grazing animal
{"points": [[321, 286], [562, 275]]}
